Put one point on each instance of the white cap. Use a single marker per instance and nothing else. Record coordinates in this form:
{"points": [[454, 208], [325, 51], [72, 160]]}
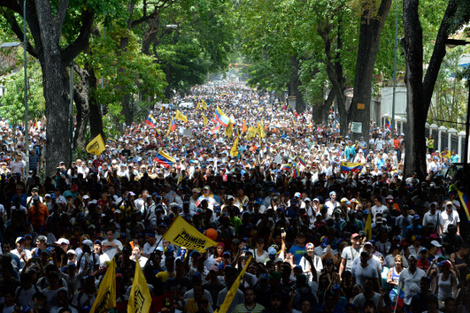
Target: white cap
{"points": [[436, 243], [62, 241], [86, 197]]}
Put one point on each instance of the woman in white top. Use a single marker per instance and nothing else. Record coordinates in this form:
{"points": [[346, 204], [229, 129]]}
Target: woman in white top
{"points": [[259, 253], [137, 256], [445, 284], [307, 267]]}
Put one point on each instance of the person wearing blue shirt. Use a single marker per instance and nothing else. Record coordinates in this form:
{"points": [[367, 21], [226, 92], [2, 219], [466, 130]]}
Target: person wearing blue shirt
{"points": [[299, 249]]}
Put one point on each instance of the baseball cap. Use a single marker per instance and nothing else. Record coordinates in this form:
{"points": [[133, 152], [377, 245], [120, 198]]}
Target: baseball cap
{"points": [[19, 239]]}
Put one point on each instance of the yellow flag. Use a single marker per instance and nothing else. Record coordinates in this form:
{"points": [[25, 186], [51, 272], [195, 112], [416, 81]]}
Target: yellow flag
{"points": [[229, 129], [262, 132], [368, 226], [204, 119], [198, 104], [233, 290], [183, 234], [234, 150], [180, 116], [204, 104], [96, 146], [139, 298], [106, 297], [251, 132]]}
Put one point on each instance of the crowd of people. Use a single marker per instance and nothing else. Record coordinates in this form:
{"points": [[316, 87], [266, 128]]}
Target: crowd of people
{"points": [[282, 199]]}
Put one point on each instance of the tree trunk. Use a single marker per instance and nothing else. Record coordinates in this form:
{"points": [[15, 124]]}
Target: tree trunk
{"points": [[419, 91], [321, 110], [369, 41], [295, 84], [57, 145], [334, 70], [81, 96], [413, 49]]}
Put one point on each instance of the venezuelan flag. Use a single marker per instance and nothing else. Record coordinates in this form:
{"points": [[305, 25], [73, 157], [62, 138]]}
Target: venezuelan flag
{"points": [[151, 121], [164, 159], [221, 117], [295, 173], [302, 160], [351, 167], [465, 203], [286, 167], [387, 124], [215, 130]]}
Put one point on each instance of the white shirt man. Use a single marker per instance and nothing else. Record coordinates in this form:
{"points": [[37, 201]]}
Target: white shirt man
{"points": [[21, 252], [377, 208], [432, 216], [410, 278], [331, 204], [449, 217], [111, 246]]}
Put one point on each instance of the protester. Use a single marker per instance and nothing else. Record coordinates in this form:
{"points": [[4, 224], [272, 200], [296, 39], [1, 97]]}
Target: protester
{"points": [[316, 234]]}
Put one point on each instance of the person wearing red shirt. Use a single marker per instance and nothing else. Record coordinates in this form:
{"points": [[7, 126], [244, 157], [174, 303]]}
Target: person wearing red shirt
{"points": [[37, 214]]}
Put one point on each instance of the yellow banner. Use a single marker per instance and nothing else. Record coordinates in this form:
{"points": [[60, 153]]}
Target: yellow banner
{"points": [[96, 146], [106, 297], [139, 298], [251, 132], [204, 104], [180, 116], [183, 234], [204, 119], [262, 132], [229, 130], [368, 226], [234, 150], [233, 290]]}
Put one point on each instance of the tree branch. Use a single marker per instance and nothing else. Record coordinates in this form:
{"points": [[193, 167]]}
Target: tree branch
{"points": [[438, 54], [81, 43], [15, 27], [60, 17]]}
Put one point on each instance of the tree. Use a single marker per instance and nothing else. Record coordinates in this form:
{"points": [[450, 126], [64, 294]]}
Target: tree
{"points": [[372, 20], [12, 102], [58, 32], [419, 90]]}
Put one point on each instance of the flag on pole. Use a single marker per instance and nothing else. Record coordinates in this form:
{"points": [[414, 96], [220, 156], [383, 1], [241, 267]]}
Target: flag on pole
{"points": [[139, 298], [180, 116], [251, 132], [164, 159], [106, 297], [234, 150], [204, 104], [204, 119], [198, 104], [262, 131], [172, 126], [229, 129], [387, 124], [302, 160], [183, 234], [96, 146], [233, 290], [221, 117], [151, 121]]}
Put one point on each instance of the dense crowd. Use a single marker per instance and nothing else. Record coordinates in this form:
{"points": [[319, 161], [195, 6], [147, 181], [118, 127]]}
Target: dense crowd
{"points": [[284, 200]]}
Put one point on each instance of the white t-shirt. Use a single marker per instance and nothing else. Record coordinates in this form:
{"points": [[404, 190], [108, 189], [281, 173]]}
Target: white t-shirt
{"points": [[448, 219], [111, 251]]}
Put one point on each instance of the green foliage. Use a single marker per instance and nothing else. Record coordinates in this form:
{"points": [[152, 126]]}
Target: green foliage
{"points": [[12, 102], [125, 71]]}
